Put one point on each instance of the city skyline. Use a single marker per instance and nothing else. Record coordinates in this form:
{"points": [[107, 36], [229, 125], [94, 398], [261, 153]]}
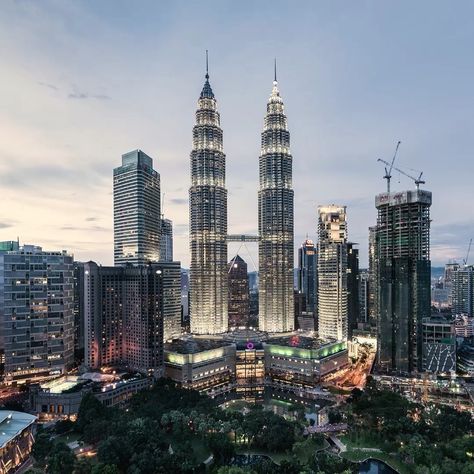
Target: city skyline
{"points": [[58, 182]]}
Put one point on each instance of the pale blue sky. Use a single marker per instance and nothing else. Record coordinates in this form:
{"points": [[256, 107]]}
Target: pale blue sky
{"points": [[83, 82]]}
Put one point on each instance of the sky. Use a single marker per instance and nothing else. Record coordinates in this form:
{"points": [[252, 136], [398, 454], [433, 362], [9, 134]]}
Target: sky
{"points": [[83, 82]]}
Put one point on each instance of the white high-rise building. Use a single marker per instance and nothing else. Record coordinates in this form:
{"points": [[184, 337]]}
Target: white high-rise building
{"points": [[208, 220], [276, 220], [332, 272]]}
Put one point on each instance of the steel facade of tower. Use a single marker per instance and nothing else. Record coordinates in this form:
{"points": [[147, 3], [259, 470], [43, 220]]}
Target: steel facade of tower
{"points": [[137, 210], [208, 220], [403, 278], [276, 221]]}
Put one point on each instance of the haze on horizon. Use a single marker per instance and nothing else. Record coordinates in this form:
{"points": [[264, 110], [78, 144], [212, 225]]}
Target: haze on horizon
{"points": [[82, 83]]}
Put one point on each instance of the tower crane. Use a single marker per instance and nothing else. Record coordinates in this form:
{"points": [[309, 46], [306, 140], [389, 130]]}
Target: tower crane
{"points": [[388, 172], [468, 252], [387, 176]]}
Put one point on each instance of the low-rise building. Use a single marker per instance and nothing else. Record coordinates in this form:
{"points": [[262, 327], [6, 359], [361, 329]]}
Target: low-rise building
{"points": [[61, 398], [206, 365], [300, 361], [16, 439], [439, 345]]}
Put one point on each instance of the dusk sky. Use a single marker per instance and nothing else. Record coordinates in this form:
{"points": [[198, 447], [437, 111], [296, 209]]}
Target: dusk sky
{"points": [[82, 82]]}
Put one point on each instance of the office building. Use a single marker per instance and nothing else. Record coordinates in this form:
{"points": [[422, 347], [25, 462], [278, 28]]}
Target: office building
{"points": [[126, 310], [136, 210], [239, 309], [275, 220], [352, 288], [36, 313], [307, 274], [208, 220], [373, 279], [78, 312], [462, 292], [404, 268], [439, 345], [332, 273], [364, 278], [166, 240]]}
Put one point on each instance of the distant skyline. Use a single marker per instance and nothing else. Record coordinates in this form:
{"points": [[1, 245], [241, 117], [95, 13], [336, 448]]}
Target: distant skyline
{"points": [[85, 82]]}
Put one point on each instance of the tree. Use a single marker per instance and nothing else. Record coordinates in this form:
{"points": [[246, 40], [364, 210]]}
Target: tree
{"points": [[105, 469], [83, 466], [61, 460], [42, 447], [113, 450], [90, 410], [221, 447]]}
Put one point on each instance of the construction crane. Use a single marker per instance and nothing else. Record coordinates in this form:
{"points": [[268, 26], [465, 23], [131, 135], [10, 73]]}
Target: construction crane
{"points": [[468, 252], [388, 172], [387, 176]]}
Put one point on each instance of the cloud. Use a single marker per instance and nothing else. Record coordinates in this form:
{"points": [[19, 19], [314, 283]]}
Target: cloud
{"points": [[91, 219], [179, 201], [49, 86], [94, 228], [84, 95], [5, 225]]}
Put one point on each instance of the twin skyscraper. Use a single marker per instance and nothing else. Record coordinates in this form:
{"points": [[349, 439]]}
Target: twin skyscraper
{"points": [[208, 220]]}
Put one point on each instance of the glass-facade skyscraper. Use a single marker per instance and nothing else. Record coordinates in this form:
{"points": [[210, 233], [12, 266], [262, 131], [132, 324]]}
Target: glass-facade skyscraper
{"points": [[275, 220], [166, 240], [137, 210], [403, 277], [307, 274], [208, 220]]}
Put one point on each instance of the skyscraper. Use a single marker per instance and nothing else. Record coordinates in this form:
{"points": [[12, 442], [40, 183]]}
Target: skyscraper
{"points": [[373, 280], [208, 220], [136, 210], [166, 240], [307, 274], [403, 273], [275, 220], [363, 296], [462, 292], [352, 288], [125, 312], [239, 309], [36, 313], [332, 272]]}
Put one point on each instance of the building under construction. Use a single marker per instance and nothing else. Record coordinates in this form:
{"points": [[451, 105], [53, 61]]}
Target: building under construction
{"points": [[403, 278]]}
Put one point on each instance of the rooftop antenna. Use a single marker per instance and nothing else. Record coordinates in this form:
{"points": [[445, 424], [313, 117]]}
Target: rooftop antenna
{"points": [[275, 79], [207, 64]]}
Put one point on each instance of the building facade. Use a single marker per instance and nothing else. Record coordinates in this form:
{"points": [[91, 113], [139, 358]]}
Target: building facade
{"points": [[239, 297], [462, 290], [439, 345], [373, 279], [208, 220], [78, 312], [332, 273], [125, 312], [307, 274], [137, 210], [404, 271], [36, 313], [275, 221], [353, 305], [166, 240], [364, 278]]}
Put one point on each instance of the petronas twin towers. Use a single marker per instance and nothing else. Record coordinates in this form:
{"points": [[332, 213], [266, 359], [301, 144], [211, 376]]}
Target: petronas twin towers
{"points": [[208, 220]]}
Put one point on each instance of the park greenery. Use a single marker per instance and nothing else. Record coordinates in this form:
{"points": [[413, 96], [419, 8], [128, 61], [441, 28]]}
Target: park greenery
{"points": [[171, 430], [433, 439]]}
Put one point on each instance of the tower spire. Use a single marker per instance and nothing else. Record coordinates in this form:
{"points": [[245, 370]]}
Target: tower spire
{"points": [[207, 64], [275, 77]]}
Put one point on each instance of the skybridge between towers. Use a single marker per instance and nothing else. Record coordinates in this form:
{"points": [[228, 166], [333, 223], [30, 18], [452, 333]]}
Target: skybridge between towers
{"points": [[242, 238]]}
